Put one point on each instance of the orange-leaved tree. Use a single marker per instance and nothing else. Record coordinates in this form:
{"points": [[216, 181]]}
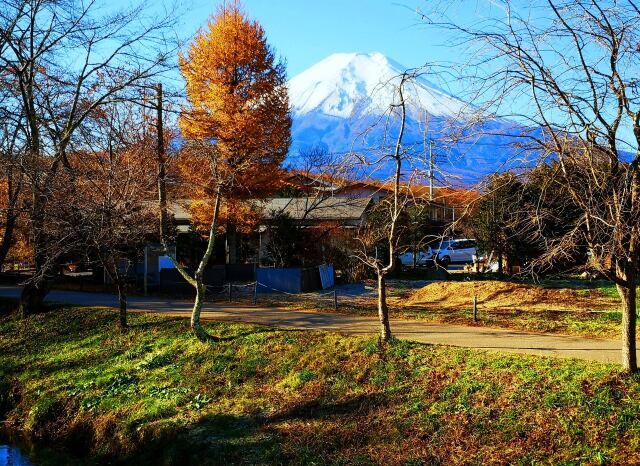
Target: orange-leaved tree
{"points": [[236, 125]]}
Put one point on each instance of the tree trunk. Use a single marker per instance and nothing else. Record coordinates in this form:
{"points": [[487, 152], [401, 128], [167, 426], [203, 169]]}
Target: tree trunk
{"points": [[122, 300], [196, 325], [500, 268], [37, 288], [7, 238], [629, 357], [197, 281], [32, 297], [383, 310]]}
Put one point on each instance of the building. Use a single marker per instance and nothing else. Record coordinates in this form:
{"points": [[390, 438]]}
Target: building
{"points": [[325, 214]]}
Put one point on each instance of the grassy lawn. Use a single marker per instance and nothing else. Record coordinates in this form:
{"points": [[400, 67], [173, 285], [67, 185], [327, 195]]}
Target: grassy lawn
{"points": [[265, 396]]}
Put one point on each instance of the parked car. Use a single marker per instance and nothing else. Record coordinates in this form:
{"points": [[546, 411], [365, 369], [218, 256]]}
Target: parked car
{"points": [[455, 250], [422, 257]]}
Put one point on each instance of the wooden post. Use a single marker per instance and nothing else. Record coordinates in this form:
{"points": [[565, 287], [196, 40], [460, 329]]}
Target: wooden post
{"points": [[430, 168], [255, 293], [146, 271], [162, 193], [335, 300], [229, 291], [475, 307]]}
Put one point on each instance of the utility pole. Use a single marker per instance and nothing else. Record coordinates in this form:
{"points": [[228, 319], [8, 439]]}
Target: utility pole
{"points": [[162, 190], [430, 170], [424, 142]]}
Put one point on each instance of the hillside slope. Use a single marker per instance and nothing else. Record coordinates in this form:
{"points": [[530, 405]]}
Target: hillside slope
{"points": [[264, 396]]}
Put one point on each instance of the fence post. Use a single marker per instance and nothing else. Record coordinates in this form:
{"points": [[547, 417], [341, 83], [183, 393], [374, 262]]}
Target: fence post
{"points": [[475, 307], [335, 300], [145, 279], [229, 291], [255, 293]]}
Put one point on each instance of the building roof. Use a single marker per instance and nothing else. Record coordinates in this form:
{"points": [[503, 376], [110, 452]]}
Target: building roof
{"points": [[179, 209], [317, 208], [298, 208]]}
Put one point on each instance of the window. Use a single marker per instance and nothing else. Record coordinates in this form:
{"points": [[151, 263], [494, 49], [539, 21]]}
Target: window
{"points": [[463, 244]]}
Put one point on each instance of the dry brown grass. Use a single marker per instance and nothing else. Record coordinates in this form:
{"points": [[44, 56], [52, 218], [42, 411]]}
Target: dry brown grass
{"points": [[507, 295]]}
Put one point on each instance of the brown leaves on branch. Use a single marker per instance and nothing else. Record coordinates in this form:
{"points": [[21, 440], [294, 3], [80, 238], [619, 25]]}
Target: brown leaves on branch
{"points": [[236, 126], [238, 102]]}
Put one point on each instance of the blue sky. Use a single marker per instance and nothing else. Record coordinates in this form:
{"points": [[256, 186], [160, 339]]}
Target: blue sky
{"points": [[304, 32]]}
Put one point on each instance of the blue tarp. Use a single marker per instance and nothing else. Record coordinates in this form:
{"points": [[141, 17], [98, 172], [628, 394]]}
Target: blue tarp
{"points": [[326, 276], [272, 280]]}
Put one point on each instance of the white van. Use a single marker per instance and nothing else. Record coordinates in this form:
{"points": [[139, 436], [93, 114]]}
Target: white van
{"points": [[422, 258], [455, 250]]}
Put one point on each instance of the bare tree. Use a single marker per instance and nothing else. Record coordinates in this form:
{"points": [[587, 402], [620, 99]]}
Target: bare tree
{"points": [[111, 213], [315, 185], [569, 69], [68, 58], [12, 148], [392, 149]]}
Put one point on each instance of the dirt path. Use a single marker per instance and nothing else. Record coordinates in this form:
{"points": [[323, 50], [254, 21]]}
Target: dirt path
{"points": [[441, 334]]}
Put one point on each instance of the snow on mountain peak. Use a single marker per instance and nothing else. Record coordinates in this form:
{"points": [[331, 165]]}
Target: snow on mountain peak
{"points": [[347, 85]]}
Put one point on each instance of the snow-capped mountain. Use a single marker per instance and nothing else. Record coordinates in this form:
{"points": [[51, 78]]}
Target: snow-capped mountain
{"points": [[345, 85], [340, 98]]}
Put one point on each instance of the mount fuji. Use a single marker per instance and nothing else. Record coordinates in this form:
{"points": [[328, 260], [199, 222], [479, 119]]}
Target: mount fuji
{"points": [[339, 104]]}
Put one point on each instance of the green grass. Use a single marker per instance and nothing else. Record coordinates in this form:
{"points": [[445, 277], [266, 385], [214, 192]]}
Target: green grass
{"points": [[266, 396]]}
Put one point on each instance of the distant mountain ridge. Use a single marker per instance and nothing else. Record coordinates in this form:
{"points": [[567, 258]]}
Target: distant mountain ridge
{"points": [[334, 101]]}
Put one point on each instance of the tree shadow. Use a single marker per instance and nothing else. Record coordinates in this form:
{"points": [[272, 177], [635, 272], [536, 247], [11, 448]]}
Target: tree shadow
{"points": [[317, 409], [215, 440], [227, 439], [209, 327], [244, 334]]}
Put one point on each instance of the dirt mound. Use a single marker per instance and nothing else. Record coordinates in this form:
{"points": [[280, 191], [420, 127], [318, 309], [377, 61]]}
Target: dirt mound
{"points": [[507, 295]]}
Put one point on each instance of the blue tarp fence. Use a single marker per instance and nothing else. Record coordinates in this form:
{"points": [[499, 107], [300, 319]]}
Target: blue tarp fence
{"points": [[294, 280], [271, 280]]}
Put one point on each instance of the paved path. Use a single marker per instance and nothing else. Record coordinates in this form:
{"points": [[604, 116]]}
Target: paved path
{"points": [[442, 334]]}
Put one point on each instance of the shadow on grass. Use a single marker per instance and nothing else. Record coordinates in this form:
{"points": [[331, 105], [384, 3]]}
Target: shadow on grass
{"points": [[11, 306], [209, 325], [226, 439], [257, 331], [215, 440], [318, 409]]}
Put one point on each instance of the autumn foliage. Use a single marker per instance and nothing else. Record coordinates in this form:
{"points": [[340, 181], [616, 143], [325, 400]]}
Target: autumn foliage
{"points": [[238, 103], [237, 129]]}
